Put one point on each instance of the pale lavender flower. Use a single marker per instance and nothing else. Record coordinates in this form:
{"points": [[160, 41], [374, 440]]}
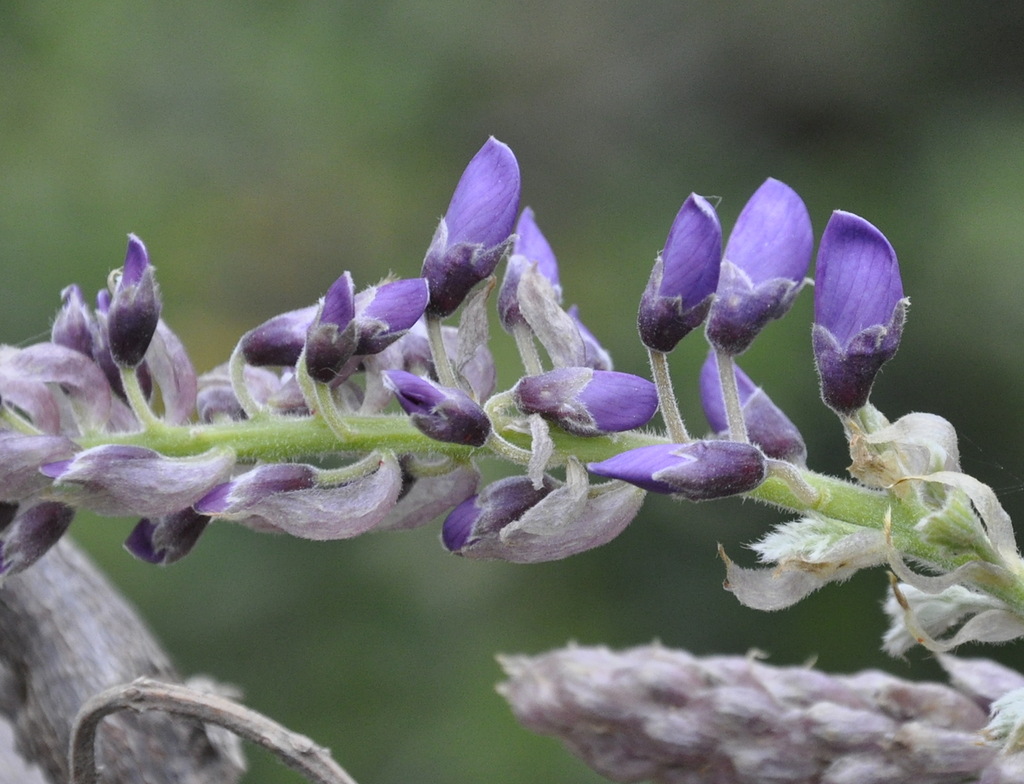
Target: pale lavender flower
{"points": [[134, 307], [131, 480], [294, 499], [588, 402], [20, 458], [859, 310], [443, 413], [767, 425], [682, 284], [473, 235], [74, 323], [653, 714], [763, 270], [696, 471]]}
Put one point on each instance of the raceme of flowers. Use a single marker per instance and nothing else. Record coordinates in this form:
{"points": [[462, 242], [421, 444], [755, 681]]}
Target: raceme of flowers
{"points": [[372, 409]]}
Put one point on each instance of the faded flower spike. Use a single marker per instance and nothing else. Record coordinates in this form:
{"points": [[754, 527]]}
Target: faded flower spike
{"points": [[859, 310], [530, 247], [696, 471], [588, 402], [684, 278], [134, 307], [473, 235], [763, 270], [443, 413], [767, 426]]}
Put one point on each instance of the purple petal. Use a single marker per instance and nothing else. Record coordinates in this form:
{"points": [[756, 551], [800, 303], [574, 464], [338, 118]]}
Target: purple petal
{"points": [[857, 282], [385, 313], [33, 531], [20, 459], [772, 237], [484, 206], [693, 252], [278, 341], [339, 302], [533, 245], [136, 260]]}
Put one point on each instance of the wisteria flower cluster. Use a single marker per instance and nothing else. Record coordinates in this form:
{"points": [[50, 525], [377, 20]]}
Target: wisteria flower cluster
{"points": [[367, 412]]}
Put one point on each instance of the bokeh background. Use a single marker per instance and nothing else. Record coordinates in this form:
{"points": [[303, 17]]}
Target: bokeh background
{"points": [[261, 148]]}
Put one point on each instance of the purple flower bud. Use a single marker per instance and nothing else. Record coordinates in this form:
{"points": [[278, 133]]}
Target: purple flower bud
{"points": [[291, 498], [473, 235], [425, 497], [859, 310], [443, 413], [684, 278], [767, 425], [122, 480], [166, 539], [498, 505], [134, 307], [763, 270], [34, 530], [594, 354], [588, 402], [279, 340], [331, 340], [530, 247], [74, 323], [20, 458], [696, 471], [386, 312]]}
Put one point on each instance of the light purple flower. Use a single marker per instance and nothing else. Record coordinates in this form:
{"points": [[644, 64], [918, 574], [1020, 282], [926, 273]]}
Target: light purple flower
{"points": [[530, 247], [473, 235], [767, 425], [134, 307], [859, 310], [696, 471], [292, 498], [684, 278], [386, 312], [123, 480], [442, 413], [765, 262], [588, 402]]}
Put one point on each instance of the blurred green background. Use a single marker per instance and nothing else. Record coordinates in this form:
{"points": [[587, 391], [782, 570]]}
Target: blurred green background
{"points": [[261, 148]]}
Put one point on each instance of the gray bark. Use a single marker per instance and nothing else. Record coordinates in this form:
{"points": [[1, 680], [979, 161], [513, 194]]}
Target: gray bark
{"points": [[66, 634]]}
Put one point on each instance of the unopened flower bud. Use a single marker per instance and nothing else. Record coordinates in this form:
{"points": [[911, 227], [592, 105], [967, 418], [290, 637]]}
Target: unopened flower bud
{"points": [[767, 426], [859, 310], [443, 413], [134, 307], [331, 339], [696, 471], [499, 504], [279, 340], [530, 247], [166, 539], [588, 402], [386, 312], [765, 262], [473, 235], [684, 278]]}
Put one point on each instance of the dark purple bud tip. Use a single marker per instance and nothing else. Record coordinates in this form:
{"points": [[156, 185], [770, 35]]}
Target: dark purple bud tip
{"points": [[588, 402], [499, 504], [386, 312], [473, 235], [331, 339], [766, 260], [859, 310], [684, 278], [767, 426], [696, 471], [442, 413], [134, 307], [166, 539]]}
